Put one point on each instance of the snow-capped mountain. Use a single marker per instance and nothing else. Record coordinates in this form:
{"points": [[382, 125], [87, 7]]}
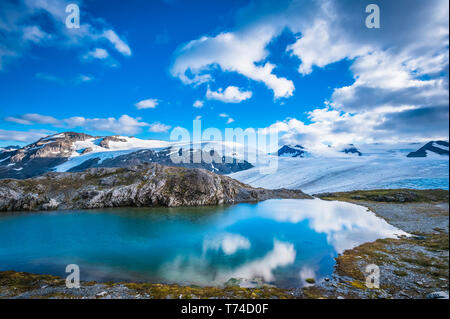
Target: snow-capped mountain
{"points": [[71, 151], [351, 149], [432, 148], [330, 169], [292, 151]]}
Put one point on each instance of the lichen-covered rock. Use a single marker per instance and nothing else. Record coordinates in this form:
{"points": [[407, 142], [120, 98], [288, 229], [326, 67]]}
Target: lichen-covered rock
{"points": [[105, 141], [141, 186]]}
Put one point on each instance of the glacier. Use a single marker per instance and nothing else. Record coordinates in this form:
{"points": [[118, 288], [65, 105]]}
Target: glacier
{"points": [[331, 174]]}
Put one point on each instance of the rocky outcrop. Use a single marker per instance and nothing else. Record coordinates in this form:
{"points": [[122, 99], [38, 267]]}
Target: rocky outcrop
{"points": [[292, 151], [433, 147], [351, 149], [105, 141], [138, 186]]}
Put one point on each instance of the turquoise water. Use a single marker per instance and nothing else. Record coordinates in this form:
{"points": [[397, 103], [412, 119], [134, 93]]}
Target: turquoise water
{"points": [[281, 242]]}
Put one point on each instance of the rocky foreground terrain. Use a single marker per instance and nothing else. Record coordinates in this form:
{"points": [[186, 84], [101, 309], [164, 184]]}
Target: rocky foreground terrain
{"points": [[410, 267], [143, 185]]}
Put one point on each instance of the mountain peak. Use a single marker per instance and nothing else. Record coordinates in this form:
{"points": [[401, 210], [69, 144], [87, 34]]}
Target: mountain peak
{"points": [[431, 148], [351, 149], [292, 151]]}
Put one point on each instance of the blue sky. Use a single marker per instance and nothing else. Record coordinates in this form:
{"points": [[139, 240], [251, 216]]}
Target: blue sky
{"points": [[329, 78]]}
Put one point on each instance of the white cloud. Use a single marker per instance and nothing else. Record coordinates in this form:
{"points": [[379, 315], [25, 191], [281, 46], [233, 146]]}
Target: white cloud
{"points": [[147, 104], [328, 126], [23, 136], [229, 119], [118, 43], [97, 53], [84, 78], [32, 118], [125, 124], [159, 127], [232, 52], [231, 94], [21, 27], [399, 70], [198, 104], [35, 34]]}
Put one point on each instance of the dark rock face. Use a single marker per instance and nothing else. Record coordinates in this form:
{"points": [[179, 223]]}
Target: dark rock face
{"points": [[105, 142], [210, 161], [437, 147], [351, 149], [293, 151], [138, 186]]}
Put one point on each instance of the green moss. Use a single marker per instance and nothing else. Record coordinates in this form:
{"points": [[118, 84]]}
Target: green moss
{"points": [[358, 284], [390, 195], [162, 291], [18, 282], [314, 292], [400, 273], [310, 280]]}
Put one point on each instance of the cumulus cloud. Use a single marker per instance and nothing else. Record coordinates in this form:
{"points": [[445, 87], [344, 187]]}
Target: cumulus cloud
{"points": [[97, 53], [198, 104], [122, 125], [231, 94], [399, 70], [32, 118], [24, 24], [23, 136], [125, 124], [118, 43], [232, 52], [147, 104], [327, 126], [159, 128]]}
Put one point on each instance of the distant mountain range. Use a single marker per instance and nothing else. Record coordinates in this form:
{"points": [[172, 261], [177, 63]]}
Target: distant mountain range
{"points": [[74, 152], [292, 151], [300, 151], [430, 149]]}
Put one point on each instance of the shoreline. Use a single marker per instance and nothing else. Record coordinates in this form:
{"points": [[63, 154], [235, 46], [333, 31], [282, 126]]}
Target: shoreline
{"points": [[410, 267]]}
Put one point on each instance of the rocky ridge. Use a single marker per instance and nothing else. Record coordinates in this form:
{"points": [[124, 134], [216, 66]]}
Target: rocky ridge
{"points": [[137, 186]]}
